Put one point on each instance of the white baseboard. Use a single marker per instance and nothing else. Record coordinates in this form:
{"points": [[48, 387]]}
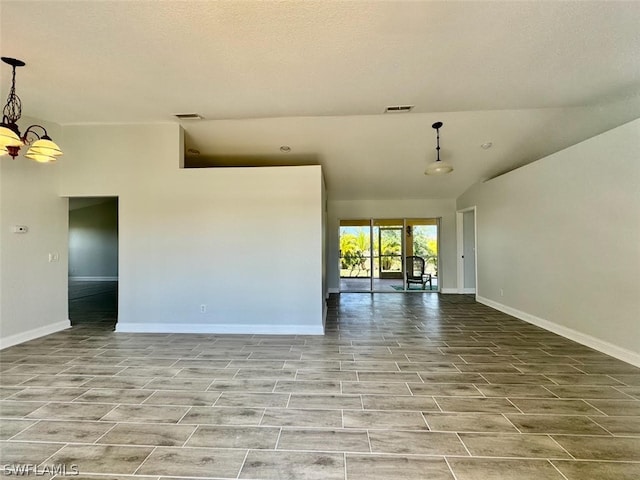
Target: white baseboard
{"points": [[34, 333], [602, 346], [219, 328], [94, 279], [460, 291]]}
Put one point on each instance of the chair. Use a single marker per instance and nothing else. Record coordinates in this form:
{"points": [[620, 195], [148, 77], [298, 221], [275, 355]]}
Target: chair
{"points": [[414, 272]]}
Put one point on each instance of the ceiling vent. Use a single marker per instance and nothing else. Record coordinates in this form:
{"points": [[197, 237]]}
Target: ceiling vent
{"points": [[188, 116], [399, 109]]}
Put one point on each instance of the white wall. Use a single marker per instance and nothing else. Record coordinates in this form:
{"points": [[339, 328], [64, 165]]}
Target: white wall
{"points": [[561, 238], [93, 241], [245, 242], [33, 291], [325, 290], [354, 209]]}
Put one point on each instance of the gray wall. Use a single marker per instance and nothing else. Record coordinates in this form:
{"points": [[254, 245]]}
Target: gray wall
{"points": [[93, 240], [559, 241], [194, 244], [33, 290]]}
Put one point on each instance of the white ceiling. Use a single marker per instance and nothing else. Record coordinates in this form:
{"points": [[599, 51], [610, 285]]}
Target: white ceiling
{"points": [[531, 77]]}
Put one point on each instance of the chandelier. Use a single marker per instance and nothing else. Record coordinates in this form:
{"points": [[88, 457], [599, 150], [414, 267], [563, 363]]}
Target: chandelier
{"points": [[41, 148]]}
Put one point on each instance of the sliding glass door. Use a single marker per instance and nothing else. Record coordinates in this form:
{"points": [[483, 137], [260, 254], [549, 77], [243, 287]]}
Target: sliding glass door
{"points": [[387, 253], [422, 241], [355, 256], [373, 254]]}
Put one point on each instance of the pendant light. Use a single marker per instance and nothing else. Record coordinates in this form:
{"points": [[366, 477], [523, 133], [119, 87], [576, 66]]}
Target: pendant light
{"points": [[438, 167]]}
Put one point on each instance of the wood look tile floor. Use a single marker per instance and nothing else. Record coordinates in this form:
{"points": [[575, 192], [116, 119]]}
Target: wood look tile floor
{"points": [[400, 387]]}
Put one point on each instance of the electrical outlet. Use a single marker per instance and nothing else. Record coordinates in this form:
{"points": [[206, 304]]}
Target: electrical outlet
{"points": [[54, 257], [501, 292], [203, 308]]}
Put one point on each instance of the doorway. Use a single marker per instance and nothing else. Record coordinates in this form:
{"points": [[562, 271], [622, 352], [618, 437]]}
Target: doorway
{"points": [[373, 252], [93, 261], [467, 251]]}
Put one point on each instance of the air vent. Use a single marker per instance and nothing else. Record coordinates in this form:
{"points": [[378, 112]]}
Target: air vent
{"points": [[398, 109], [188, 116]]}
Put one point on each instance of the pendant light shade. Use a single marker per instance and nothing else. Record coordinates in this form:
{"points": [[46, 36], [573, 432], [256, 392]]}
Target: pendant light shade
{"points": [[40, 158], [438, 167], [45, 146], [9, 138], [43, 151]]}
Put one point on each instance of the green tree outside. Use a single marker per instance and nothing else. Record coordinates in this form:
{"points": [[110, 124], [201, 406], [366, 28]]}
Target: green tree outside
{"points": [[426, 247], [354, 249]]}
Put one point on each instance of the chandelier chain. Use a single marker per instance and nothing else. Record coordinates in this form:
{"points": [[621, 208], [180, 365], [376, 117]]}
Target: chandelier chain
{"points": [[13, 109]]}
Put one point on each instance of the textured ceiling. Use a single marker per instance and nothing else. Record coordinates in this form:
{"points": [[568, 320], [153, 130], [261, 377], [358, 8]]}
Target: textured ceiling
{"points": [[531, 77]]}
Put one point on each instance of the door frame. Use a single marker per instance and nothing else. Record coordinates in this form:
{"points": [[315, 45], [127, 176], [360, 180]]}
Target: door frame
{"points": [[460, 248], [119, 243]]}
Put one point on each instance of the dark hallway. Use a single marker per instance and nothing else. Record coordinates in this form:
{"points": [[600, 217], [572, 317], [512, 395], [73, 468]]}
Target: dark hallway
{"points": [[93, 304]]}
